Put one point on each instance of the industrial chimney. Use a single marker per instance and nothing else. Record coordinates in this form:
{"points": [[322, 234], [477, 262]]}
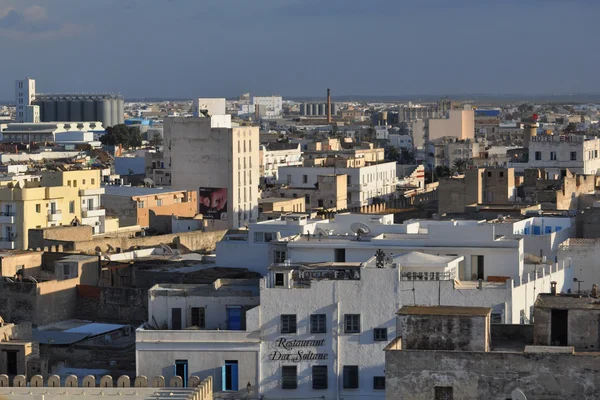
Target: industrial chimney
{"points": [[530, 130], [328, 106]]}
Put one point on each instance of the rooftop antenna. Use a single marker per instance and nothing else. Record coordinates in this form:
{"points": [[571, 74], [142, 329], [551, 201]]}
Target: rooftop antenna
{"points": [[360, 229], [322, 233]]}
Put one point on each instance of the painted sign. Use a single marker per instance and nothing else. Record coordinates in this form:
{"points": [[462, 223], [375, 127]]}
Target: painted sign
{"points": [[213, 203], [327, 274], [552, 138], [292, 350]]}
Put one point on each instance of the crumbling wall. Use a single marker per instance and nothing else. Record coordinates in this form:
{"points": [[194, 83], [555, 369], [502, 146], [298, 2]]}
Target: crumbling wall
{"points": [[127, 305]]}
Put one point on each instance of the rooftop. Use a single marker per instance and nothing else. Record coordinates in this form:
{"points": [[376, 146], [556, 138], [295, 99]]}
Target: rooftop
{"points": [[445, 310], [567, 301], [418, 259], [132, 191], [315, 266]]}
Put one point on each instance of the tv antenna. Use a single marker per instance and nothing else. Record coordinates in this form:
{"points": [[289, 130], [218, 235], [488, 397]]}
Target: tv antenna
{"points": [[321, 233]]}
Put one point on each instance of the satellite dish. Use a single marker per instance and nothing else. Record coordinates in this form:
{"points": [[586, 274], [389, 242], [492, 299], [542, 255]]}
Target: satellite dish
{"points": [[518, 200], [321, 232], [360, 229], [518, 395], [528, 200], [500, 217]]}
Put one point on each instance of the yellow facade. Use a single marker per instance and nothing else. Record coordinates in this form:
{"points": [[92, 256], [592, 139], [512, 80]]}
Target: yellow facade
{"points": [[54, 200]]}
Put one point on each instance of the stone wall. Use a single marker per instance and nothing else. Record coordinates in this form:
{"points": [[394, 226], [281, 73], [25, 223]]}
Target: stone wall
{"points": [[116, 304], [38, 238], [491, 375]]}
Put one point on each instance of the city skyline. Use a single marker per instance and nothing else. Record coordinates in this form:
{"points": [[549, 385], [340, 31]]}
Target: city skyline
{"points": [[183, 49]]}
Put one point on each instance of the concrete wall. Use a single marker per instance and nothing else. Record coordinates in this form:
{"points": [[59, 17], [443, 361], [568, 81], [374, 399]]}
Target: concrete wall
{"points": [[493, 375], [38, 238], [126, 305], [583, 328], [443, 332], [31, 262]]}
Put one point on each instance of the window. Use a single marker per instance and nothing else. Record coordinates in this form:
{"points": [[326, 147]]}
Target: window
{"points": [[38, 208], [350, 376], [538, 155], [339, 255], [318, 323], [288, 323], [72, 207], [289, 377], [93, 181], [75, 183], [140, 204], [279, 256], [573, 156], [83, 181], [444, 393], [501, 174], [552, 156], [352, 323], [198, 317], [159, 202], [380, 334], [319, 377], [595, 153], [496, 318], [379, 383], [69, 183], [304, 178], [489, 174], [279, 279], [263, 237]]}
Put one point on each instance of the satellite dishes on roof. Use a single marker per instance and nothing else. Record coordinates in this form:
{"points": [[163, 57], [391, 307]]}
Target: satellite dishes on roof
{"points": [[519, 200], [321, 232], [518, 395], [360, 229], [500, 217]]}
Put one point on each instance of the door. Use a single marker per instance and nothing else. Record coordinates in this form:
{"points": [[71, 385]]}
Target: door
{"points": [[90, 204], [176, 319], [477, 267], [11, 362], [8, 210], [339, 255], [9, 232], [234, 318], [52, 208], [559, 328], [181, 369], [229, 375]]}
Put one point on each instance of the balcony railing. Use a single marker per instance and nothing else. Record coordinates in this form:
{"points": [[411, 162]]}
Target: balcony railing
{"points": [[7, 214], [427, 276], [54, 215], [10, 238]]}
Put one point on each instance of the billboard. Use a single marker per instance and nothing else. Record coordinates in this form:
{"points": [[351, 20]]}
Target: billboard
{"points": [[213, 203]]}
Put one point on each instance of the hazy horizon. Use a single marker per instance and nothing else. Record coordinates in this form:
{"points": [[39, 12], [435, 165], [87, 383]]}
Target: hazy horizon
{"points": [[298, 48]]}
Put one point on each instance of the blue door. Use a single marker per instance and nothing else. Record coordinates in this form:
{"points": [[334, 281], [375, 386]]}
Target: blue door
{"points": [[229, 375], [547, 229], [234, 318], [537, 230], [181, 369]]}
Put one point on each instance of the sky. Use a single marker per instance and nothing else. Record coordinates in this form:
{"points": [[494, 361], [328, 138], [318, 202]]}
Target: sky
{"points": [[222, 48]]}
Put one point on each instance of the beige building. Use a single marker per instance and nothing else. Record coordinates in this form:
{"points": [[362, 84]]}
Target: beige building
{"points": [[56, 198], [476, 186], [274, 207], [459, 124], [149, 207], [219, 160], [330, 193], [19, 354]]}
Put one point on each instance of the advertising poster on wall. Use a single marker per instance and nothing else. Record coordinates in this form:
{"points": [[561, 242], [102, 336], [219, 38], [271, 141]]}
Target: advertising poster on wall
{"points": [[213, 203]]}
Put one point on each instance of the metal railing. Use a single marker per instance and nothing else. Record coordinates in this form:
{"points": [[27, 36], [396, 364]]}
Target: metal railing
{"points": [[7, 214], [427, 276]]}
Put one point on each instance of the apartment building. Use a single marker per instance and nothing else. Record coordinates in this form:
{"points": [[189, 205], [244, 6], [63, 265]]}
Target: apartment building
{"points": [[151, 208], [218, 160], [275, 155], [52, 199], [366, 183], [459, 124], [268, 106], [24, 96]]}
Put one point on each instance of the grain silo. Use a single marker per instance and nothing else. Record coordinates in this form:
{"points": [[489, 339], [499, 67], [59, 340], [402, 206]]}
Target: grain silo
{"points": [[49, 110], [75, 110], [121, 110], [89, 110], [114, 108], [104, 111], [62, 110]]}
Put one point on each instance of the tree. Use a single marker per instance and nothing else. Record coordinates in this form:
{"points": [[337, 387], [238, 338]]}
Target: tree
{"points": [[122, 135], [571, 127], [156, 140], [459, 166], [442, 171], [392, 154]]}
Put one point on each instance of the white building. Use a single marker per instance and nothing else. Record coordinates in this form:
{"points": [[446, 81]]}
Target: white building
{"points": [[46, 131], [24, 96], [269, 106], [220, 161], [401, 141], [212, 106], [275, 155], [364, 183], [558, 153]]}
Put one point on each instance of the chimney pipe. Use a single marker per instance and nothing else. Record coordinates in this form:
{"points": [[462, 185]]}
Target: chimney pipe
{"points": [[328, 106], [553, 288], [594, 290]]}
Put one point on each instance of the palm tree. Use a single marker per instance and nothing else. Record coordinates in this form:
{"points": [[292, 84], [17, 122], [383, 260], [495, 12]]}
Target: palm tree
{"points": [[459, 165]]}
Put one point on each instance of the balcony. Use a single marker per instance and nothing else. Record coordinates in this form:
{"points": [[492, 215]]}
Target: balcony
{"points": [[356, 187], [54, 215], [91, 192], [93, 212], [8, 243], [7, 218]]}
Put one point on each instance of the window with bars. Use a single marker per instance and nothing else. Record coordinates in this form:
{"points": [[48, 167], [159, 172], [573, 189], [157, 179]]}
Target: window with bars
{"points": [[198, 317], [350, 376], [289, 377], [279, 256], [318, 323], [319, 377], [352, 323], [444, 393], [379, 383], [288, 323], [380, 334]]}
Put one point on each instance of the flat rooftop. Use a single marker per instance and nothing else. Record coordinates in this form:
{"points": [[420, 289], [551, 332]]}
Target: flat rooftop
{"points": [[315, 266], [445, 310], [135, 191], [567, 301]]}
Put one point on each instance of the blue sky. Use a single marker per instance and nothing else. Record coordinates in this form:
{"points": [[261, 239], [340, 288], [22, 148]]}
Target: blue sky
{"points": [[203, 48]]}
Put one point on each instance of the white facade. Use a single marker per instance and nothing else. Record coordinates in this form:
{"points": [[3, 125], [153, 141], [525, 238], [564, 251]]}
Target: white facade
{"points": [[364, 183], [24, 95], [32, 114], [213, 106], [273, 105], [401, 141], [278, 155], [557, 153], [200, 155]]}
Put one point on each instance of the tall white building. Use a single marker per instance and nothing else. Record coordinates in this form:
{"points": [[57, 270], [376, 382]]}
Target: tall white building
{"points": [[24, 95], [213, 106], [220, 161]]}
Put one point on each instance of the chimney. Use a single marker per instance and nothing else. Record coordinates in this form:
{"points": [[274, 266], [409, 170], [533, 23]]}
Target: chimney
{"points": [[594, 290], [553, 288], [328, 106]]}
